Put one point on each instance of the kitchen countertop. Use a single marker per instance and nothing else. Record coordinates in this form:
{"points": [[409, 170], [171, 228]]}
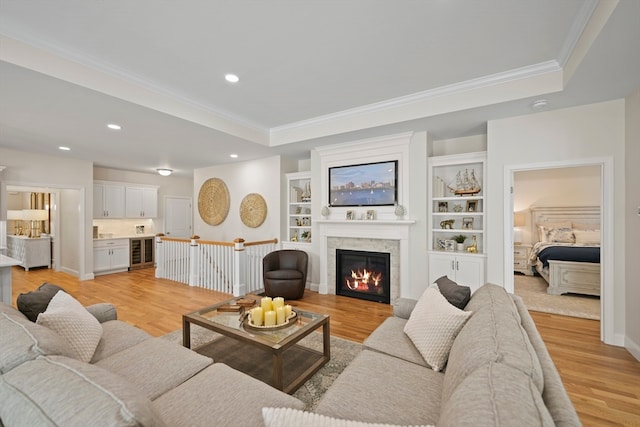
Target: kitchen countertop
{"points": [[128, 236]]}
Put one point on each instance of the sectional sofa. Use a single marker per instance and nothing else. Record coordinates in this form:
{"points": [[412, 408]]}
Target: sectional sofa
{"points": [[498, 372]]}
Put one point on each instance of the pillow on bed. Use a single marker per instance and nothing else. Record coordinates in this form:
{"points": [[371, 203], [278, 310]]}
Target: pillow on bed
{"points": [[543, 228], [587, 237], [561, 235]]}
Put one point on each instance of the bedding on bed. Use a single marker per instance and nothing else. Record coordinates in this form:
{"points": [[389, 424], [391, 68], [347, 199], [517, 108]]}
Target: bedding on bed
{"points": [[564, 252]]}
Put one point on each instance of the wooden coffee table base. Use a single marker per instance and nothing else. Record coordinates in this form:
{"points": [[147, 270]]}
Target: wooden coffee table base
{"points": [[286, 371]]}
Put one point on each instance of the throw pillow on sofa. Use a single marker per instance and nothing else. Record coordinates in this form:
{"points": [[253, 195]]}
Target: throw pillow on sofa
{"points": [[454, 293], [35, 302], [433, 326], [66, 316], [289, 417]]}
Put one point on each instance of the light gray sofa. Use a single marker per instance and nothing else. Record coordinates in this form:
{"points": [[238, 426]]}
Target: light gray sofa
{"points": [[133, 379], [499, 373]]}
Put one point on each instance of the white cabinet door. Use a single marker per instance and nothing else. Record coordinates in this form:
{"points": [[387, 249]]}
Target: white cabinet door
{"points": [[120, 257], [466, 270], [101, 259], [108, 200], [141, 202]]}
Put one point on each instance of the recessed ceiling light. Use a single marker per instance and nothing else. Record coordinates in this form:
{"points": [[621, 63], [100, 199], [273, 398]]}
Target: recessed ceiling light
{"points": [[64, 148], [233, 156], [231, 78], [164, 172], [540, 104], [114, 126]]}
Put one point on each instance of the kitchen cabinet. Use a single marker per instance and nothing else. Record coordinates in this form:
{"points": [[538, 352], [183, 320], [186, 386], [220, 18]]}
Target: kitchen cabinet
{"points": [[142, 252], [141, 202], [110, 256], [466, 270], [108, 200], [31, 252]]}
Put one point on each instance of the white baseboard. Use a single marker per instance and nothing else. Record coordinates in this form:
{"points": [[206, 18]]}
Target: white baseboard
{"points": [[632, 347]]}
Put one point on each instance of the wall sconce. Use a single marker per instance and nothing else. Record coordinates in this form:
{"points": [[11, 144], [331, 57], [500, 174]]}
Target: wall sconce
{"points": [[36, 216], [164, 172], [519, 220], [16, 215]]}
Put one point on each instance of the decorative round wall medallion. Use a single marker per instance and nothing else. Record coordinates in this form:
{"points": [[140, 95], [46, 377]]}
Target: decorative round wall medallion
{"points": [[253, 210], [213, 201]]}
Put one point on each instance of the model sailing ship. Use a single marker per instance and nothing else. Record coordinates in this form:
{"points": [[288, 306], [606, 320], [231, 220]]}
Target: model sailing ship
{"points": [[465, 185]]}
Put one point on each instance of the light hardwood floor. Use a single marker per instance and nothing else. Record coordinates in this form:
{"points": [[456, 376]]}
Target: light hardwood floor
{"points": [[603, 381]]}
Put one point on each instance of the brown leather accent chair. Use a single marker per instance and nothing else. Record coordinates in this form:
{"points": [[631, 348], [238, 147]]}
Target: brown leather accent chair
{"points": [[285, 273]]}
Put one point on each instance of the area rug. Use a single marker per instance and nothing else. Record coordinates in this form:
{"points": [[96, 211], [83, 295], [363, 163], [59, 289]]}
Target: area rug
{"points": [[533, 291], [342, 353]]}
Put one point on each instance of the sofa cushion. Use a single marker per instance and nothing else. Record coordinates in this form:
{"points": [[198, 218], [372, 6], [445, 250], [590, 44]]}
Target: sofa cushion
{"points": [[493, 334], [495, 395], [489, 296], [66, 316], [156, 365], [117, 336], [454, 293], [220, 396], [288, 417], [35, 302], [283, 274], [433, 326], [22, 340], [384, 389], [61, 391], [389, 338]]}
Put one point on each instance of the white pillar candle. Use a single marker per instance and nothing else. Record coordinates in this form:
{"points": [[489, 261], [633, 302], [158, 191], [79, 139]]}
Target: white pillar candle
{"points": [[266, 304], [257, 316], [287, 311], [270, 318], [280, 319], [278, 302]]}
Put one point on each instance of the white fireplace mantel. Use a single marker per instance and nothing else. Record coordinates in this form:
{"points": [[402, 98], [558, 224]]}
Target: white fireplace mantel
{"points": [[397, 230]]}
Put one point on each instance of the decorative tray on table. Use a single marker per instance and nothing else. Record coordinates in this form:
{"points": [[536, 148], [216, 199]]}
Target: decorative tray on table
{"points": [[248, 323]]}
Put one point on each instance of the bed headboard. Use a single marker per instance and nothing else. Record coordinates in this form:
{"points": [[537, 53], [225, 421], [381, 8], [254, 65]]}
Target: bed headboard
{"points": [[575, 214]]}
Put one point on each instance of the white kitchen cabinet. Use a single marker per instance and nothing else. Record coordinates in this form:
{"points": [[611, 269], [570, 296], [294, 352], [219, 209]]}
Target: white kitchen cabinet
{"points": [[108, 200], [141, 202], [110, 256], [467, 270]]}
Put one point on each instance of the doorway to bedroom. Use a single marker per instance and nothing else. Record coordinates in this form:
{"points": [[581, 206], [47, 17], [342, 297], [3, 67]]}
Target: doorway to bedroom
{"points": [[557, 239]]}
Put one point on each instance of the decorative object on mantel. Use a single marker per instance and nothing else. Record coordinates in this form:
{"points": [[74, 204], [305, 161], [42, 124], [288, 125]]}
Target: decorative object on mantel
{"points": [[253, 210], [351, 215], [371, 215], [213, 201], [325, 211], [400, 211]]}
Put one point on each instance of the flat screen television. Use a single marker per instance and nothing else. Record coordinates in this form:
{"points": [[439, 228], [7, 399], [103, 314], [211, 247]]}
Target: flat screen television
{"points": [[368, 184]]}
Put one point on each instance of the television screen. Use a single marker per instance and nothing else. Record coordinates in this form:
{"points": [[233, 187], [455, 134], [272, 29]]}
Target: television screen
{"points": [[370, 184]]}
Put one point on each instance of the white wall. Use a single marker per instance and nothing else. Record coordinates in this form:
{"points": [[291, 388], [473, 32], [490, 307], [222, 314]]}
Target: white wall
{"points": [[61, 172], [262, 176], [632, 224], [574, 186], [585, 132], [466, 144]]}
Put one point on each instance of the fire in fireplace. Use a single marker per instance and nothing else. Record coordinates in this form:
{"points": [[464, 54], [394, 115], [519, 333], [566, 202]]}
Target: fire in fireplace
{"points": [[364, 275]]}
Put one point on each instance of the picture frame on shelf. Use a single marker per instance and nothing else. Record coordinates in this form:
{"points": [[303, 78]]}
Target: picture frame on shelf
{"points": [[467, 223], [351, 215], [450, 245], [439, 244], [371, 215], [443, 206], [472, 205]]}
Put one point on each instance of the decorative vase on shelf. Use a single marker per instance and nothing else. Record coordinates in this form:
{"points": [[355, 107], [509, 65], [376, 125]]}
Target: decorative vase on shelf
{"points": [[324, 211], [400, 211]]}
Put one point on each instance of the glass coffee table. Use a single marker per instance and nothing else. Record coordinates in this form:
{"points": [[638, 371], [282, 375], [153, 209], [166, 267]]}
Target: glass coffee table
{"points": [[275, 357]]}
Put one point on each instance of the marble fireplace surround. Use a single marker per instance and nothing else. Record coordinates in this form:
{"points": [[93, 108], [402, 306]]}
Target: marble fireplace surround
{"points": [[378, 236]]}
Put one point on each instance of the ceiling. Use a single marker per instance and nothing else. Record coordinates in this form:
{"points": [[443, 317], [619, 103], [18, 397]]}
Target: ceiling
{"points": [[311, 72]]}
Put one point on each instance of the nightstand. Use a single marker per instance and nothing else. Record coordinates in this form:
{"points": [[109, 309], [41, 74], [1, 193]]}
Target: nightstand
{"points": [[521, 259]]}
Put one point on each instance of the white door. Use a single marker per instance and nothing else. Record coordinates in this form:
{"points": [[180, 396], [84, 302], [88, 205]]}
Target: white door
{"points": [[177, 212]]}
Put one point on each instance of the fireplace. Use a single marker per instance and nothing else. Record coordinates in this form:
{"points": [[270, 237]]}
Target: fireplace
{"points": [[364, 275]]}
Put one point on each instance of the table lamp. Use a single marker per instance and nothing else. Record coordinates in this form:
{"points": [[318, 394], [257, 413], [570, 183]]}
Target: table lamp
{"points": [[36, 216], [518, 221]]}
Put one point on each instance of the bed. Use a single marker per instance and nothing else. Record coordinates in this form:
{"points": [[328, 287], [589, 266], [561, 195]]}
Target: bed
{"points": [[566, 250]]}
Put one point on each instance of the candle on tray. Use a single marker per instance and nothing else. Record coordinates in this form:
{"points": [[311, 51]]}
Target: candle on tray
{"points": [[278, 302], [266, 304], [270, 318], [280, 318], [257, 316], [287, 311]]}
